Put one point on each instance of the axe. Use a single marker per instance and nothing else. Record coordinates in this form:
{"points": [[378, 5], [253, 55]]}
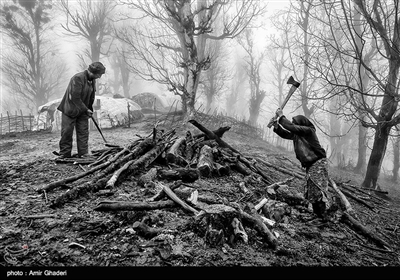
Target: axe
{"points": [[295, 85]]}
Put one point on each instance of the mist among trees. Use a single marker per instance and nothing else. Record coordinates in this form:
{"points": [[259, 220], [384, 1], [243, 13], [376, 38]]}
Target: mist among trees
{"points": [[232, 55]]}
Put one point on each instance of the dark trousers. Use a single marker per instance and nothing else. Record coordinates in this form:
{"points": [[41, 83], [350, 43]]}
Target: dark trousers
{"points": [[81, 126]]}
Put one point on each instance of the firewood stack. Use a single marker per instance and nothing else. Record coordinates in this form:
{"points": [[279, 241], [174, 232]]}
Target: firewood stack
{"points": [[164, 157]]}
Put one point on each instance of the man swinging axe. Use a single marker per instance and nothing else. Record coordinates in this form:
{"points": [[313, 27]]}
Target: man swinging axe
{"points": [[309, 152]]}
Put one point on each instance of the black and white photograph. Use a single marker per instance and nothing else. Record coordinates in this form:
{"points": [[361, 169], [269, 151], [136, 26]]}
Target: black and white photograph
{"points": [[199, 139]]}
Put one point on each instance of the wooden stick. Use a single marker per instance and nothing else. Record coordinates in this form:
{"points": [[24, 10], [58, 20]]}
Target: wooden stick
{"points": [[133, 205], [161, 194], [343, 198], [64, 181], [347, 218], [175, 198]]}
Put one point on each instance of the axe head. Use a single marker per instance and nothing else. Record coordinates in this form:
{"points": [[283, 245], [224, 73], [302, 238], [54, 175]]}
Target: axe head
{"points": [[291, 81]]}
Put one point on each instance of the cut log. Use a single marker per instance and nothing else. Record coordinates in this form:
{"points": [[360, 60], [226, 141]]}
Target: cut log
{"points": [[134, 206], [205, 164], [216, 223], [187, 175], [175, 153], [222, 170]]}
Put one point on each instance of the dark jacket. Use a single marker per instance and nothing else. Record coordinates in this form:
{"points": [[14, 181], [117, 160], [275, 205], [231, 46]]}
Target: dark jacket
{"points": [[79, 96], [306, 144]]}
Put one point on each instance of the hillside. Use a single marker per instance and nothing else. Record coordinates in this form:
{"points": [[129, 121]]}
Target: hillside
{"points": [[75, 234]]}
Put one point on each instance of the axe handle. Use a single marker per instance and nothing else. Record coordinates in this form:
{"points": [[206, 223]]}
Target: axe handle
{"points": [[98, 128], [291, 91]]}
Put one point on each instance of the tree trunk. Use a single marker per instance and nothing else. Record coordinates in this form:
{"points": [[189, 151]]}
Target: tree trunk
{"points": [[396, 158], [376, 158], [362, 149]]}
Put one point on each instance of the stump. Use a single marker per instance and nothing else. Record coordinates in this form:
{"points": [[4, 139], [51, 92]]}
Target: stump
{"points": [[220, 223]]}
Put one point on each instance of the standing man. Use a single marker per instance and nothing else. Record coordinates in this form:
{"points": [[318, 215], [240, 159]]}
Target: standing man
{"points": [[311, 156], [76, 107]]}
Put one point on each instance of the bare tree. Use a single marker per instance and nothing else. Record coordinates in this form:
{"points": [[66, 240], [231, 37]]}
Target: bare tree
{"points": [[89, 20], [171, 52], [216, 76], [30, 67], [122, 76], [237, 88], [254, 61], [354, 49]]}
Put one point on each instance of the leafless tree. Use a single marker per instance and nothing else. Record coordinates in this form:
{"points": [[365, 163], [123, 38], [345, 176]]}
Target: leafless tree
{"points": [[359, 59], [253, 62], [173, 51], [214, 81], [237, 88], [31, 69], [90, 20]]}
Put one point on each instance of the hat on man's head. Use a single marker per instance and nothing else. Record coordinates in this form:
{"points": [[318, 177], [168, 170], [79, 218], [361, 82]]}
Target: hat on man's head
{"points": [[97, 68]]}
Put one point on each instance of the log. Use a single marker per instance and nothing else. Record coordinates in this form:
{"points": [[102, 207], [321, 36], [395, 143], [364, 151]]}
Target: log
{"points": [[134, 206], [205, 164], [222, 170], [216, 221], [175, 153], [134, 166], [161, 194], [355, 224], [240, 168], [359, 200], [290, 196], [256, 221], [62, 182], [175, 198], [211, 135], [101, 179], [346, 204], [239, 231], [189, 149], [187, 175]]}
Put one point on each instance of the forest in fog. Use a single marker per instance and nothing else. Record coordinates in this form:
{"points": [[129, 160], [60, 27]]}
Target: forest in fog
{"points": [[231, 56]]}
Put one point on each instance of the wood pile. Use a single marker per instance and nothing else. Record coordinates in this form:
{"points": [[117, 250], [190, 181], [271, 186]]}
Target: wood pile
{"points": [[170, 163]]}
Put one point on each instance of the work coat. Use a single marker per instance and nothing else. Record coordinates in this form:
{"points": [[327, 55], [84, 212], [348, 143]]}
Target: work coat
{"points": [[306, 144], [79, 96]]}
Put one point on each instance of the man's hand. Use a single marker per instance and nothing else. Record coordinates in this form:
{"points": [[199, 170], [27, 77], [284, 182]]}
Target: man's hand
{"points": [[279, 113], [90, 113], [274, 122]]}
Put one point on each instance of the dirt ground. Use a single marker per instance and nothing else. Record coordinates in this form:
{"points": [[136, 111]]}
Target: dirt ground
{"points": [[76, 235]]}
